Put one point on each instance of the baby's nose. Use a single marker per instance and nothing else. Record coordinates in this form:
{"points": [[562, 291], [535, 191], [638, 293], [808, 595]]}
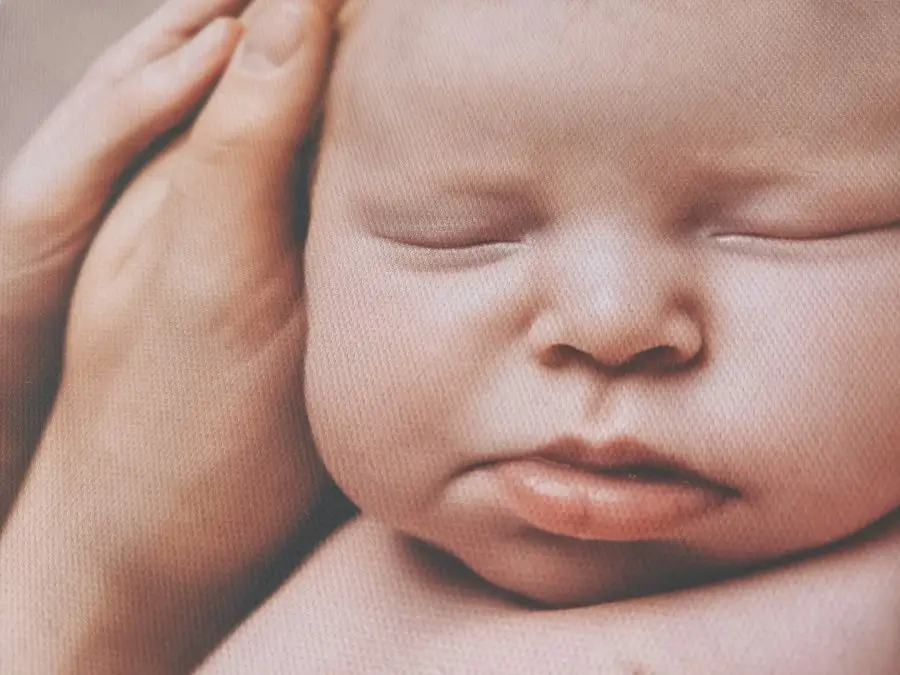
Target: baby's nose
{"points": [[621, 310]]}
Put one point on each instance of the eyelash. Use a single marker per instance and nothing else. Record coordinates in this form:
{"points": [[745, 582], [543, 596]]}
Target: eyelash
{"points": [[464, 233], [469, 256], [469, 245], [824, 237]]}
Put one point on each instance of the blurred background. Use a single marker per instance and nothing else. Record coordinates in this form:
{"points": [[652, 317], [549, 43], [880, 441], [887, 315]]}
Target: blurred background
{"points": [[45, 46]]}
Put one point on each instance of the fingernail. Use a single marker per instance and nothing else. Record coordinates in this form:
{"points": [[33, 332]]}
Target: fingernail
{"points": [[273, 38], [199, 48]]}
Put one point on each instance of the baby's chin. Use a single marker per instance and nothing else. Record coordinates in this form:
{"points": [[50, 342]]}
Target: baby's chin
{"points": [[539, 573]]}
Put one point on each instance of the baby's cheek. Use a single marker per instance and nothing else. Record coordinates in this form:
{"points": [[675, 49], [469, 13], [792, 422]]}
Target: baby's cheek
{"points": [[358, 405]]}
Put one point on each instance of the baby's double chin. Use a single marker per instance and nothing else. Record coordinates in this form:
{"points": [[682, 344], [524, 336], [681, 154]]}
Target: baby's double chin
{"points": [[560, 575]]}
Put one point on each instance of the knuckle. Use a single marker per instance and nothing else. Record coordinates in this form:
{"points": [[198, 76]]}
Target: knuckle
{"points": [[109, 90], [128, 99], [210, 302], [223, 148], [197, 290], [127, 109], [103, 74], [224, 134]]}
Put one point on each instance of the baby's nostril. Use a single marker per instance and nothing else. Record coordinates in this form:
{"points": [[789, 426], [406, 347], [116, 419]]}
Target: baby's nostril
{"points": [[663, 357], [560, 355]]}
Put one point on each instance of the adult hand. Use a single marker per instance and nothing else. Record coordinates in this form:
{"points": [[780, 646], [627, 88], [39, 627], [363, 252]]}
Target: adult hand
{"points": [[54, 191], [176, 466]]}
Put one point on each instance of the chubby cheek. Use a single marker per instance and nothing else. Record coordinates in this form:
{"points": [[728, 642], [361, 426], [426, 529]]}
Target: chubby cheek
{"points": [[393, 357], [810, 397]]}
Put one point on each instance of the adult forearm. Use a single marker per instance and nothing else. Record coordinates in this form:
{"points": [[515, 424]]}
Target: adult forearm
{"points": [[61, 611], [79, 596], [83, 591]]}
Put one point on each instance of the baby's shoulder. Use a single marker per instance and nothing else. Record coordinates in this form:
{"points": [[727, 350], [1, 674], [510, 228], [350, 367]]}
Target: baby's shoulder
{"points": [[364, 595], [303, 626]]}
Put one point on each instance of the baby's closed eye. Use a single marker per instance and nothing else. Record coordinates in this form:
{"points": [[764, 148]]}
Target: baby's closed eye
{"points": [[453, 219]]}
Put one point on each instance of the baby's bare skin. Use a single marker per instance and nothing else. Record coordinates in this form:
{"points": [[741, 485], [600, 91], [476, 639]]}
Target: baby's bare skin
{"points": [[662, 234], [521, 208], [405, 615], [175, 468], [370, 601]]}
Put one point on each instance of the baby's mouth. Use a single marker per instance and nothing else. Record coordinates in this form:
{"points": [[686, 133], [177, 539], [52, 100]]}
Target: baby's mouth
{"points": [[647, 473], [621, 491]]}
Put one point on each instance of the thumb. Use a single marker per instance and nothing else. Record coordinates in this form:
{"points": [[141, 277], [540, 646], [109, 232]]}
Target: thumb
{"points": [[264, 106]]}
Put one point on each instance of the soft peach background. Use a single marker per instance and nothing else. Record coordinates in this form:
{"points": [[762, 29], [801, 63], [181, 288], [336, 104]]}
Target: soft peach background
{"points": [[45, 45]]}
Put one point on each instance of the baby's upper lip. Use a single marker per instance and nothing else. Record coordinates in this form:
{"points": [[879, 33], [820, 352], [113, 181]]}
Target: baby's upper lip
{"points": [[622, 455]]}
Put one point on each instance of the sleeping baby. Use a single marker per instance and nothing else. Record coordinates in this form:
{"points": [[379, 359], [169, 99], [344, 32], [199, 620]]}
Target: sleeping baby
{"points": [[603, 296]]}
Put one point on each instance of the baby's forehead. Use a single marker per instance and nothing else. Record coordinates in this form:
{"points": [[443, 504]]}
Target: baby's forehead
{"points": [[834, 54], [399, 29], [715, 77]]}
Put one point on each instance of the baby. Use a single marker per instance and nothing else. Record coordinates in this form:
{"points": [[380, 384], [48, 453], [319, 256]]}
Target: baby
{"points": [[604, 296]]}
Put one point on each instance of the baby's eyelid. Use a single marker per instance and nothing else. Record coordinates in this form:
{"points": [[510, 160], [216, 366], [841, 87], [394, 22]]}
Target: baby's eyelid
{"points": [[464, 232], [462, 220], [800, 231]]}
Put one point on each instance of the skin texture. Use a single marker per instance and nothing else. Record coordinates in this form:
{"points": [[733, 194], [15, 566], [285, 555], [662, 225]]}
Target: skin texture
{"points": [[175, 477], [531, 228], [53, 194], [110, 567], [371, 601]]}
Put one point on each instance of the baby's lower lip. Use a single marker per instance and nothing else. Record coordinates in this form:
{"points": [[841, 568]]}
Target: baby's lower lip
{"points": [[602, 505]]}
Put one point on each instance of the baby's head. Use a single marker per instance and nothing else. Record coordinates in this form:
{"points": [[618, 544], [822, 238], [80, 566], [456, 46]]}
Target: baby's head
{"points": [[650, 238]]}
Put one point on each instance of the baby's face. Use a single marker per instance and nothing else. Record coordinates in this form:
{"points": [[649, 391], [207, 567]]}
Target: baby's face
{"points": [[649, 238]]}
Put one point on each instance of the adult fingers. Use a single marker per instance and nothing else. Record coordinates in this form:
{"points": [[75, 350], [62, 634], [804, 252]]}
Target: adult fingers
{"points": [[250, 130], [57, 186], [53, 194], [164, 31], [332, 9]]}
